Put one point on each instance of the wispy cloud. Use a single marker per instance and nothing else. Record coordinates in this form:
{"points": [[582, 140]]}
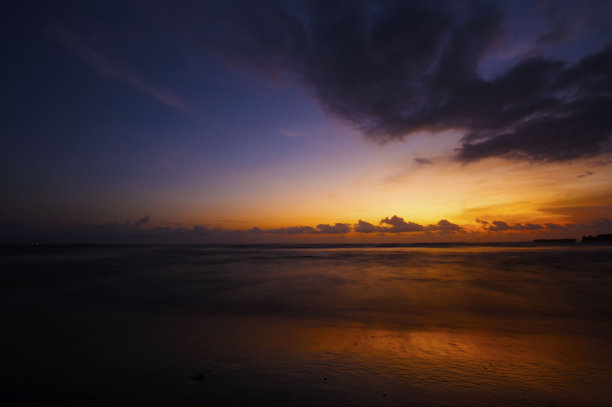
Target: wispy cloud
{"points": [[586, 174], [112, 69], [142, 221], [422, 161], [559, 32]]}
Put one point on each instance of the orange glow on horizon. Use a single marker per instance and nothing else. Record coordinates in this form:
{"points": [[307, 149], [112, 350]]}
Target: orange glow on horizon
{"points": [[517, 193]]}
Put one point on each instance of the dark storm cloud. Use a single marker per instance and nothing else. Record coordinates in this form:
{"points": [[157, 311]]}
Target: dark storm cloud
{"points": [[393, 68], [548, 112]]}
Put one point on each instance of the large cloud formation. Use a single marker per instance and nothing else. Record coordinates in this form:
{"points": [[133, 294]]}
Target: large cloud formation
{"points": [[393, 68]]}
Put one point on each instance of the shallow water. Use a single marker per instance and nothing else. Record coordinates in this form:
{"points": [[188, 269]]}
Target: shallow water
{"points": [[307, 325]]}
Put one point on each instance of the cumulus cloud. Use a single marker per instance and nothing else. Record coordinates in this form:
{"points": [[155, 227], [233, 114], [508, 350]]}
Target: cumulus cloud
{"points": [[129, 233], [322, 229], [294, 230], [601, 225], [338, 228], [501, 226], [394, 68], [446, 227], [399, 225], [395, 224], [366, 227]]}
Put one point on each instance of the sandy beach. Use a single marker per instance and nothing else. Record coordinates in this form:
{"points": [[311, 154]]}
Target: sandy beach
{"points": [[308, 326]]}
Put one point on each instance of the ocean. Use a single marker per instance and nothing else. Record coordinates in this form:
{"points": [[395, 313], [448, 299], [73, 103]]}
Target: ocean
{"points": [[307, 325]]}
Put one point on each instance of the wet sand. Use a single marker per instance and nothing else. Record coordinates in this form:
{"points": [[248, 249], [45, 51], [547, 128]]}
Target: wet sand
{"points": [[322, 326]]}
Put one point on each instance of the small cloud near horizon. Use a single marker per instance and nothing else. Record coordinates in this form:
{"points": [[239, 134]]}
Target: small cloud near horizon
{"points": [[398, 225], [127, 232], [602, 225], [142, 221], [324, 229]]}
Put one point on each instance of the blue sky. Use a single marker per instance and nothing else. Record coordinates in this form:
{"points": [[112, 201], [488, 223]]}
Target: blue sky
{"points": [[217, 115]]}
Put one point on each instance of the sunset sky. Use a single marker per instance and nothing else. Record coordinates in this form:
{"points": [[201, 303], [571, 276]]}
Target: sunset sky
{"points": [[305, 121]]}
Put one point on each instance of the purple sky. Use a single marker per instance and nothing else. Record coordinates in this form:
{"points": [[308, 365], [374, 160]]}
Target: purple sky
{"points": [[239, 115]]}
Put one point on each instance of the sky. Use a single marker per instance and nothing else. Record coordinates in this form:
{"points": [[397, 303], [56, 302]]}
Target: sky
{"points": [[305, 121]]}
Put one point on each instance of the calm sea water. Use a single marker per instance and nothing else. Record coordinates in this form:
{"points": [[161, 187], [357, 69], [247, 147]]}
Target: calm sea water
{"points": [[417, 325]]}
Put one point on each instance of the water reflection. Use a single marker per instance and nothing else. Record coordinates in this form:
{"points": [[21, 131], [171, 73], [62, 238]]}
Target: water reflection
{"points": [[309, 326], [357, 363]]}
